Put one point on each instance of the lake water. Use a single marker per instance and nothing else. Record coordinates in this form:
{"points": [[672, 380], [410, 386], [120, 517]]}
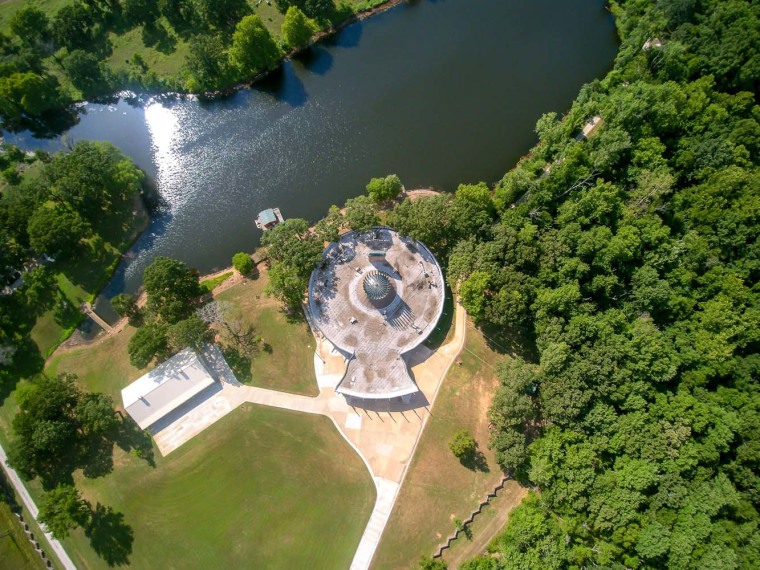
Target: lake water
{"points": [[439, 92]]}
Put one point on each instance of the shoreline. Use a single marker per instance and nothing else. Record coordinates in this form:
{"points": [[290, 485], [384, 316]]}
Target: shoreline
{"points": [[247, 83], [73, 342]]}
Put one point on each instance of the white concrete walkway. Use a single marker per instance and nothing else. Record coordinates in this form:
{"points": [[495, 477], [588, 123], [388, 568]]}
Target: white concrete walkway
{"points": [[387, 491], [383, 433], [30, 505]]}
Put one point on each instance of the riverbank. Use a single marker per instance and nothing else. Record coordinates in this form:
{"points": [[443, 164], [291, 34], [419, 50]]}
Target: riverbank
{"points": [[137, 62]]}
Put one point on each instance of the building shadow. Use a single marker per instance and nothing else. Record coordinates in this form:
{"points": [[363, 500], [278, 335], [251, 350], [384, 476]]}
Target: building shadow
{"points": [[185, 408], [389, 405]]}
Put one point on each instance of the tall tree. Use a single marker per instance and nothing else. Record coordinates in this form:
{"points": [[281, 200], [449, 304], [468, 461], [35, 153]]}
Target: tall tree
{"points": [[92, 177], [173, 289], [297, 29], [382, 189], [73, 26], [361, 213], [31, 25], [56, 229], [62, 510], [149, 342], [253, 48]]}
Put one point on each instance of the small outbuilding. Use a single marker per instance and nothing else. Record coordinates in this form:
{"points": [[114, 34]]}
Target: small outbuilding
{"points": [[166, 387]]}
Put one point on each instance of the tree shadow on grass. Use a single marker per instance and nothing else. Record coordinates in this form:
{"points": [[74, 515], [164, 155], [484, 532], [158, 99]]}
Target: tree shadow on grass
{"points": [[110, 537], [239, 363], [27, 361], [511, 340], [129, 437], [475, 462]]}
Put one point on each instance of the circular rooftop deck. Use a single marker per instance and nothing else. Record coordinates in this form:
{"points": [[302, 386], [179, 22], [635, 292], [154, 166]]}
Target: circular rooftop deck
{"points": [[376, 296]]}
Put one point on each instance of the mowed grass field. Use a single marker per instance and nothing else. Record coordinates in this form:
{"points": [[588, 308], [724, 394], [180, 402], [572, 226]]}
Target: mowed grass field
{"points": [[286, 362], [261, 488], [438, 488]]}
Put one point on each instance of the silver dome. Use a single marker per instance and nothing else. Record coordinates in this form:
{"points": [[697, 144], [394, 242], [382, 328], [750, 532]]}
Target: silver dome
{"points": [[377, 285]]}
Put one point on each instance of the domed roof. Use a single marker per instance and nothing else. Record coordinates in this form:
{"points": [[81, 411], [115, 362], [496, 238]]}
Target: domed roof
{"points": [[376, 285]]}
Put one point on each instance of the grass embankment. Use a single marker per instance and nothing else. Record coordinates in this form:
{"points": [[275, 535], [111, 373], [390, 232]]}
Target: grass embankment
{"points": [[16, 552], [168, 56], [261, 488], [209, 285], [438, 488], [286, 361], [80, 278]]}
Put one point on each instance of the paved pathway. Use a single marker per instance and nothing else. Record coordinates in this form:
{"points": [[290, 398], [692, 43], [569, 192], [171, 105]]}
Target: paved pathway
{"points": [[384, 433], [18, 484]]}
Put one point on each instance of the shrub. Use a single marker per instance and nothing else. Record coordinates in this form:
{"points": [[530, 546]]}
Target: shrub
{"points": [[381, 189], [243, 263], [462, 444]]}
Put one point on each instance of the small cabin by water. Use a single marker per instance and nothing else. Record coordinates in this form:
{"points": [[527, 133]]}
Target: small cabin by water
{"points": [[267, 219]]}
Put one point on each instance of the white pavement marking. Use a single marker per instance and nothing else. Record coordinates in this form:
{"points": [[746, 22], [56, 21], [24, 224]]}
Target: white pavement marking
{"points": [[386, 497], [32, 508]]}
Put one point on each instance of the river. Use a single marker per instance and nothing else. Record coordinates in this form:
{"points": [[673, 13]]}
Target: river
{"points": [[440, 92]]}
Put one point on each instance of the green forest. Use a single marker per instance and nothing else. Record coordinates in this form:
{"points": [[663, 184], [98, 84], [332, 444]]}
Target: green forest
{"points": [[620, 269], [624, 268]]}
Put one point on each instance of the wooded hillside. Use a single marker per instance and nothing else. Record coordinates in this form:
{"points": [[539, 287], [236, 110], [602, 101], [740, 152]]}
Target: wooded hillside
{"points": [[630, 262]]}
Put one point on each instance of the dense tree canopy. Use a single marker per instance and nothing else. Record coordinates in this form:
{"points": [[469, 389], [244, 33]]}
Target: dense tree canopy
{"points": [[361, 213], [56, 426], [149, 342], [56, 229], [628, 264], [293, 252], [31, 25], [92, 178], [173, 289]]}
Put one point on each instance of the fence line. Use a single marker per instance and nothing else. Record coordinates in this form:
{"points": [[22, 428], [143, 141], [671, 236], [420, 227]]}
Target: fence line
{"points": [[468, 521]]}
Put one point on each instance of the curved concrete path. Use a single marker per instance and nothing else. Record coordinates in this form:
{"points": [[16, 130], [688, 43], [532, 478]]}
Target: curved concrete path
{"points": [[383, 433]]}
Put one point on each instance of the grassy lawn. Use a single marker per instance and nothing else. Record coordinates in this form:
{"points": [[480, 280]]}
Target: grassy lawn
{"points": [[103, 367], [285, 364], [438, 488], [287, 361], [262, 488], [209, 285]]}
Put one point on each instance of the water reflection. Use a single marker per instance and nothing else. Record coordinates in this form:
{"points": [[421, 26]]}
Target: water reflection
{"points": [[316, 60]]}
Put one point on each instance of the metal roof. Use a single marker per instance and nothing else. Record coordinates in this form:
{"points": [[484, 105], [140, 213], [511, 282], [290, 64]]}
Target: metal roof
{"points": [[152, 396], [267, 216]]}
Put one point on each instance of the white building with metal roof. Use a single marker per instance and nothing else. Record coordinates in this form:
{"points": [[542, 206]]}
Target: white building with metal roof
{"points": [[166, 387]]}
